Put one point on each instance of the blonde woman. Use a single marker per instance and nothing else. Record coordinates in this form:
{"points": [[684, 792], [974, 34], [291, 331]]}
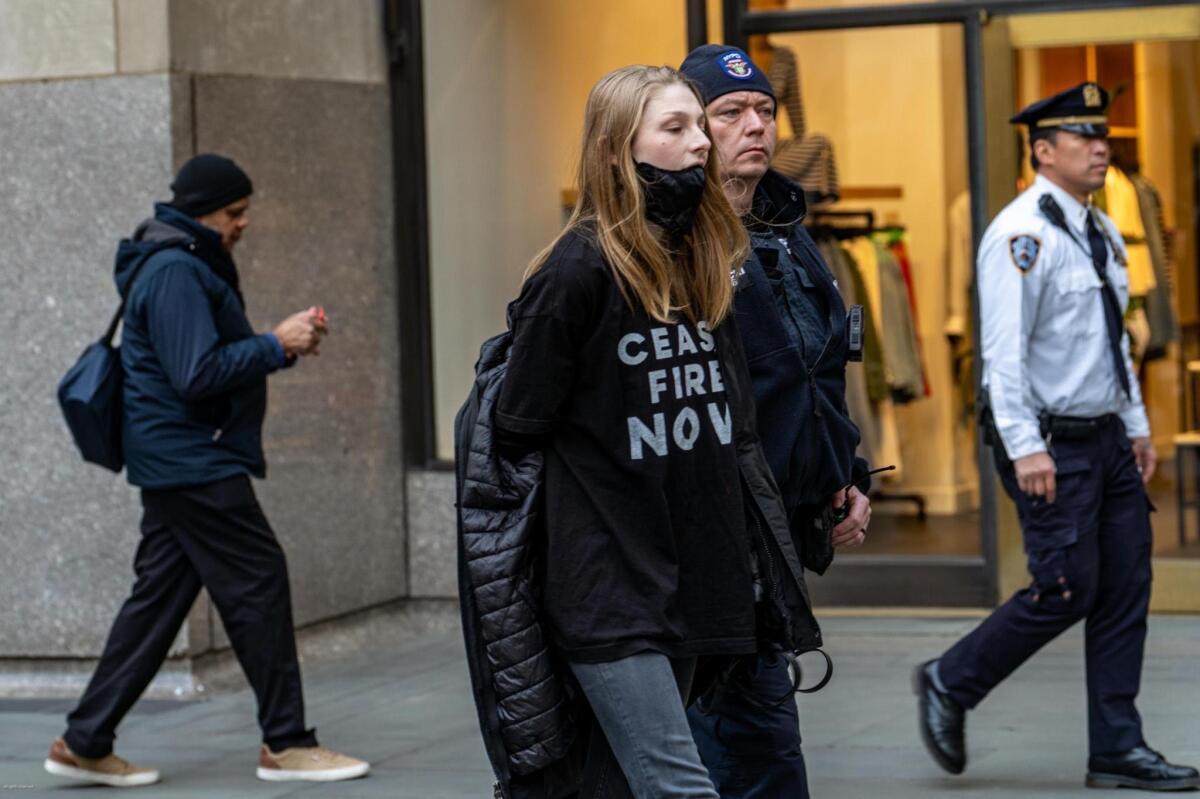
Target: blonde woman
{"points": [[626, 372]]}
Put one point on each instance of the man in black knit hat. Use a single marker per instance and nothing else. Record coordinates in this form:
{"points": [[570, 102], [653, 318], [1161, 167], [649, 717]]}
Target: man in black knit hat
{"points": [[195, 394], [795, 333]]}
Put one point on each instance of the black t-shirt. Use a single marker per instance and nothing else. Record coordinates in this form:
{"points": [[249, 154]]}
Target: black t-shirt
{"points": [[646, 537]]}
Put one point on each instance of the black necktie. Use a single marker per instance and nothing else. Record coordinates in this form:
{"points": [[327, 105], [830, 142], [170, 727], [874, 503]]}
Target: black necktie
{"points": [[1112, 308]]}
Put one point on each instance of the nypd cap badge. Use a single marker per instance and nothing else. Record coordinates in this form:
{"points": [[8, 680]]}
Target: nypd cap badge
{"points": [[1024, 250], [735, 65]]}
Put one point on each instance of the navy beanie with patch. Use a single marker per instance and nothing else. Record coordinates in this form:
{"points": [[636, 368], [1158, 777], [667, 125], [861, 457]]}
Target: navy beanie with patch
{"points": [[207, 183], [718, 69]]}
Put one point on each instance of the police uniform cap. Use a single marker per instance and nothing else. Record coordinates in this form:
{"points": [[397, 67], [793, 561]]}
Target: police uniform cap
{"points": [[1082, 109]]}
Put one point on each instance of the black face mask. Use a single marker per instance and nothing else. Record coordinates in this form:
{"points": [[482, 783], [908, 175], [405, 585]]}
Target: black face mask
{"points": [[672, 197]]}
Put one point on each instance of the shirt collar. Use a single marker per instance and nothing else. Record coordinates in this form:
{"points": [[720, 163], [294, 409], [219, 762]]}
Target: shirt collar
{"points": [[1075, 212]]}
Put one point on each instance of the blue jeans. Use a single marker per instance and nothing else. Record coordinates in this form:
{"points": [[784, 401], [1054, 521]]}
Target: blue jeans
{"points": [[650, 753], [752, 748]]}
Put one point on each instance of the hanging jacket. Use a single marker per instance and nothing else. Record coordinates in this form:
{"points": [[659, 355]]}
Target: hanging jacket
{"points": [[1164, 327], [784, 76], [901, 349], [1119, 199], [528, 710], [874, 370], [520, 691], [858, 401], [898, 249]]}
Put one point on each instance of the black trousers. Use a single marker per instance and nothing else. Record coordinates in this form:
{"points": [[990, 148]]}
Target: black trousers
{"points": [[213, 535], [749, 743], [1089, 555]]}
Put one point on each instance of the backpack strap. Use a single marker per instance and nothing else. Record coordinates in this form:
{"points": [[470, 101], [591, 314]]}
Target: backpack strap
{"points": [[116, 320]]}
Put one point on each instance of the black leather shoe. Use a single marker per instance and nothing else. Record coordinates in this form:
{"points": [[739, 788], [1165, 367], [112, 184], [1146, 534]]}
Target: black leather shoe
{"points": [[1141, 768], [941, 720]]}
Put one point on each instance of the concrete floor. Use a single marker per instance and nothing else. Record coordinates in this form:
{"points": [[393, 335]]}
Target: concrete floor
{"points": [[407, 707]]}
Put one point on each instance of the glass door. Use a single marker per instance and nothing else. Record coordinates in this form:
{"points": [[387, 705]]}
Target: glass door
{"points": [[873, 126]]}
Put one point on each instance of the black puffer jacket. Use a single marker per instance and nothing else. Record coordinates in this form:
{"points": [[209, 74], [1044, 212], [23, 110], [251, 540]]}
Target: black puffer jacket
{"points": [[529, 710], [519, 693]]}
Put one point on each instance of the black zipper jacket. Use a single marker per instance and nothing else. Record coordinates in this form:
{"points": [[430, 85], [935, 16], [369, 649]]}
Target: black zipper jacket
{"points": [[811, 440]]}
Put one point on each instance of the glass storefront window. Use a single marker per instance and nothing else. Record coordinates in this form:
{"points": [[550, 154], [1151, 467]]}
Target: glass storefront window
{"points": [[861, 94], [879, 122], [506, 85], [874, 124]]}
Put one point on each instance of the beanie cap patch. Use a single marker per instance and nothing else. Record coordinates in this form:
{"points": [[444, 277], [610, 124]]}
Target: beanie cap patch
{"points": [[735, 65]]}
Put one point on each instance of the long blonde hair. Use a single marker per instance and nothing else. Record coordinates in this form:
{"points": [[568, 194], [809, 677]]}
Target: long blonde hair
{"points": [[693, 281]]}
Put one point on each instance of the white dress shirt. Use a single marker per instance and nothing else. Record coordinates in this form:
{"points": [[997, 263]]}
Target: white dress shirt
{"points": [[1044, 337]]}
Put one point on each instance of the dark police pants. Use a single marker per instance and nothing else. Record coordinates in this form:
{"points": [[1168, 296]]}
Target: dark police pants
{"points": [[217, 536], [752, 751], [1089, 554]]}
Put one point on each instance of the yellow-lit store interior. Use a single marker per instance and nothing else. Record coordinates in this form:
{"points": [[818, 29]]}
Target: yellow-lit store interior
{"points": [[886, 108]]}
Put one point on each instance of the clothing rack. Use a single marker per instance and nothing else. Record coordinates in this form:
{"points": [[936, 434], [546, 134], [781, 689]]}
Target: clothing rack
{"points": [[871, 192], [867, 215], [822, 223], [833, 224]]}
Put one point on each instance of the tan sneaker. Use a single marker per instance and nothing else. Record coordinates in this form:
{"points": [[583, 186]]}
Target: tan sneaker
{"points": [[108, 770], [311, 763]]}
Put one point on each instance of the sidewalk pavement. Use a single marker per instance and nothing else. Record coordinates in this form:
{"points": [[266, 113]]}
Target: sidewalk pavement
{"points": [[408, 709]]}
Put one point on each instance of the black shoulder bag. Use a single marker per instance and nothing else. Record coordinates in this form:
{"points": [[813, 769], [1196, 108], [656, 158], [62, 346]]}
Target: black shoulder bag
{"points": [[90, 395]]}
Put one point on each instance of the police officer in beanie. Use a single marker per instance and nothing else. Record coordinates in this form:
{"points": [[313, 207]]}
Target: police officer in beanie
{"points": [[195, 394], [794, 332], [1071, 442]]}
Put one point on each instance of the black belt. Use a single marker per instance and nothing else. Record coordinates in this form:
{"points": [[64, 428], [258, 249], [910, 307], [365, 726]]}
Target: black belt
{"points": [[1067, 428]]}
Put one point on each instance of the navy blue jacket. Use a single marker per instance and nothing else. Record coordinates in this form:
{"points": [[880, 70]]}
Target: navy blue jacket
{"points": [[807, 434], [195, 372]]}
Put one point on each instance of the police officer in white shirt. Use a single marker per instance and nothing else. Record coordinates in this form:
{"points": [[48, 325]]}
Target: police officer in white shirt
{"points": [[1069, 433]]}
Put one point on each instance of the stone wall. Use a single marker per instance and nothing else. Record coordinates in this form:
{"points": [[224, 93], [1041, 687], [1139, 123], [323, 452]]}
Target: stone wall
{"points": [[80, 160], [321, 233]]}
